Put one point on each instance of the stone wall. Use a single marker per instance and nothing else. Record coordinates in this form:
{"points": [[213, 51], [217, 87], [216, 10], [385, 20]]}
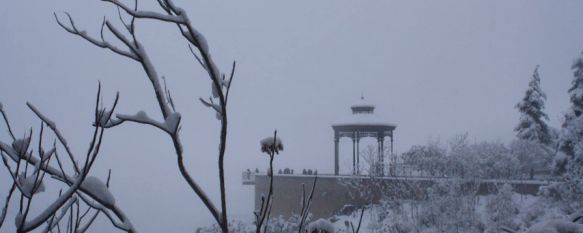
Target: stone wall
{"points": [[336, 194]]}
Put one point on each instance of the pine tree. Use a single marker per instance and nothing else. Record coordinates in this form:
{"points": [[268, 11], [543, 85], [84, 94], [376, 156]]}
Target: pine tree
{"points": [[532, 125], [569, 161], [572, 132], [576, 90]]}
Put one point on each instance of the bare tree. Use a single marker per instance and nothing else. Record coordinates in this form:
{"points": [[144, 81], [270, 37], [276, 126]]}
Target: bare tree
{"points": [[170, 124], [28, 173], [271, 146]]}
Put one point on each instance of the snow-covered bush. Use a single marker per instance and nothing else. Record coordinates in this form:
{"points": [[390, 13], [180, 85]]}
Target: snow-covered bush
{"points": [[430, 159], [321, 226], [464, 160], [449, 208], [281, 224], [501, 209], [532, 156], [235, 226]]}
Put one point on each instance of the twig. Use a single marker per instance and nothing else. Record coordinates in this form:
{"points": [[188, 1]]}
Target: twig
{"points": [[60, 137]]}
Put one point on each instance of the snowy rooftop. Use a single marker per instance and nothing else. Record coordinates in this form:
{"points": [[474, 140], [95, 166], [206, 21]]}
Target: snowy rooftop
{"points": [[362, 106], [363, 115]]}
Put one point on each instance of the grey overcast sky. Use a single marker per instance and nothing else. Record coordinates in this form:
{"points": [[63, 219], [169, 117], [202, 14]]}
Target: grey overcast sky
{"points": [[434, 68]]}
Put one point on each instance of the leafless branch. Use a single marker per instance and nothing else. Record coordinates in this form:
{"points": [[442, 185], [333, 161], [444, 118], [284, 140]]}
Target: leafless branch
{"points": [[4, 115], [147, 14], [102, 44], [306, 205], [54, 128]]}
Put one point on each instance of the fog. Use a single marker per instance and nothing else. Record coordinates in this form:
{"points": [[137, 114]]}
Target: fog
{"points": [[433, 68]]}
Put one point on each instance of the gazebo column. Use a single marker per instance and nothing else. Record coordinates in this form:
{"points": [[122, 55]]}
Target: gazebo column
{"points": [[393, 159], [353, 153], [391, 143], [336, 141], [358, 153], [381, 147]]}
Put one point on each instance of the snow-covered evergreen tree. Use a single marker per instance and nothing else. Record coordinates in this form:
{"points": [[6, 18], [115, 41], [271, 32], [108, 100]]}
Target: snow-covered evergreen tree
{"points": [[572, 132], [576, 90], [569, 160], [532, 125]]}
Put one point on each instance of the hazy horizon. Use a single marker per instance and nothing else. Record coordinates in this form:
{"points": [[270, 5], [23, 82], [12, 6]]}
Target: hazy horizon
{"points": [[435, 69]]}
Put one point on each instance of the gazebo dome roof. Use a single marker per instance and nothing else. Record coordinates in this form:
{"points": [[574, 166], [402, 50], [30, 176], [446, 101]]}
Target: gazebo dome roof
{"points": [[363, 116], [363, 119], [362, 107]]}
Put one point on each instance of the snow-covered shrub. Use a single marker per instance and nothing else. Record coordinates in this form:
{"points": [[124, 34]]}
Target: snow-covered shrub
{"points": [[556, 226], [449, 208], [321, 226], [235, 226], [430, 159], [532, 156], [501, 209], [281, 224], [461, 159], [394, 218]]}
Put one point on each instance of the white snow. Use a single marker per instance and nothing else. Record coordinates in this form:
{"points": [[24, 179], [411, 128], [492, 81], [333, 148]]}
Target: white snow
{"points": [[8, 149], [216, 107], [47, 154], [142, 116], [321, 226], [97, 189], [363, 118], [50, 123], [214, 91], [267, 145], [105, 118], [27, 184], [556, 226], [170, 125], [20, 145], [201, 40]]}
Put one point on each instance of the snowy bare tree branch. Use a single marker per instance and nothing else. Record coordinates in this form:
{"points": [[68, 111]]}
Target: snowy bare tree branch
{"points": [[30, 183], [171, 124]]}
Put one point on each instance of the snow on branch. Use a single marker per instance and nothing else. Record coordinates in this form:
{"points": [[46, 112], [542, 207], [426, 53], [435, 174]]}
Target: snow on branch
{"points": [[103, 43], [8, 150], [97, 189], [54, 128], [55, 221], [6, 121], [271, 145], [217, 108], [125, 225], [52, 208], [170, 125], [30, 185], [148, 14]]}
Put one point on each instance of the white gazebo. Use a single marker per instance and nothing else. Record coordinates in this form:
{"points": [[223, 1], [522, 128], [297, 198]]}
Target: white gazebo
{"points": [[363, 123]]}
